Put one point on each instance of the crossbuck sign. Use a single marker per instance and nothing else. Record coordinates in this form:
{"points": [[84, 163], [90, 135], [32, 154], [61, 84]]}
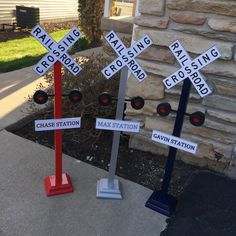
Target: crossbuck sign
{"points": [[126, 56], [190, 68], [57, 51]]}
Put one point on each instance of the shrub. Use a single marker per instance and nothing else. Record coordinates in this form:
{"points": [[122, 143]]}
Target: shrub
{"points": [[90, 15]]}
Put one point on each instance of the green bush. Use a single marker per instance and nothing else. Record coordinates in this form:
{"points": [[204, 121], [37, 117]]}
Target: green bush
{"points": [[90, 15], [80, 45]]}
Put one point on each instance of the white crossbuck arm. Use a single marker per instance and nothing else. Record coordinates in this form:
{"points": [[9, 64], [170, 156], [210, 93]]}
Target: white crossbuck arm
{"points": [[190, 68], [57, 51]]}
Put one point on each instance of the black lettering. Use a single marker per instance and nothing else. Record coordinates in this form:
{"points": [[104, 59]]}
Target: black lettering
{"points": [[188, 70], [106, 73], [194, 65], [119, 63], [50, 58], [114, 42], [65, 43], [197, 80], [204, 91], [131, 54], [125, 58], [200, 86], [50, 45], [214, 53], [179, 52], [181, 74], [194, 75], [63, 57], [131, 63], [45, 64], [76, 69], [141, 76], [76, 32], [206, 58], [70, 39], [199, 62], [37, 31], [183, 62], [147, 40], [110, 36], [42, 37], [167, 82], [38, 70], [113, 68], [175, 45], [67, 61], [61, 48], [174, 78], [134, 67], [137, 72], [56, 53], [140, 46], [71, 66]]}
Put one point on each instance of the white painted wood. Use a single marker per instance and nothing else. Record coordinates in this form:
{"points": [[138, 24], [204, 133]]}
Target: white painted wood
{"points": [[107, 8]]}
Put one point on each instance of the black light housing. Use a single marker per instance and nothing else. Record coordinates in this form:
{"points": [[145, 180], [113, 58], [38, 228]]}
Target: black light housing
{"points": [[197, 118], [137, 103], [40, 97], [75, 96], [164, 109], [105, 99]]}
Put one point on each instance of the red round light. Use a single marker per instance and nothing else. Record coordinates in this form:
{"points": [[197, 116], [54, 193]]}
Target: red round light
{"points": [[105, 99], [164, 109], [197, 118], [75, 96], [137, 103], [40, 97]]}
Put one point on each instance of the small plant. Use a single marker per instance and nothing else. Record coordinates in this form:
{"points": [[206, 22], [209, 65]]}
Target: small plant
{"points": [[81, 44]]}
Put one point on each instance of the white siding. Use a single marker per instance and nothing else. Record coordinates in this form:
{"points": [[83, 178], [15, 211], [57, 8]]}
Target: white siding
{"points": [[49, 9]]}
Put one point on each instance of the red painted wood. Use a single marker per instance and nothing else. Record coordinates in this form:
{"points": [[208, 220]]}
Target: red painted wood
{"points": [[58, 115]]}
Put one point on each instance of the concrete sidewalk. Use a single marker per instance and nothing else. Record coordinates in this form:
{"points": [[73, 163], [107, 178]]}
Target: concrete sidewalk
{"points": [[25, 210]]}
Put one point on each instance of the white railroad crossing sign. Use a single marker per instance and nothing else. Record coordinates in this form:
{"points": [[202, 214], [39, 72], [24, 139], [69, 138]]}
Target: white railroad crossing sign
{"points": [[126, 56], [190, 68], [57, 51]]}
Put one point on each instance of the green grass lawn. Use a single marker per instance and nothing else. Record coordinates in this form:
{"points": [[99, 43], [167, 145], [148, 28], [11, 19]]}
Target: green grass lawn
{"points": [[20, 53]]}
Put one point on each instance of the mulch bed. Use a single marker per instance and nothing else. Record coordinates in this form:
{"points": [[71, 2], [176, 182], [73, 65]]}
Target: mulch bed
{"points": [[9, 34], [141, 167]]}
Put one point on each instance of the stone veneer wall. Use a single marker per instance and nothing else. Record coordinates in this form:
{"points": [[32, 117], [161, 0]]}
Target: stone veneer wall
{"points": [[199, 25]]}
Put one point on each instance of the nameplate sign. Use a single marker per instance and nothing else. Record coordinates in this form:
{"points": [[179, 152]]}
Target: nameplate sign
{"points": [[57, 124], [173, 141], [117, 125]]}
